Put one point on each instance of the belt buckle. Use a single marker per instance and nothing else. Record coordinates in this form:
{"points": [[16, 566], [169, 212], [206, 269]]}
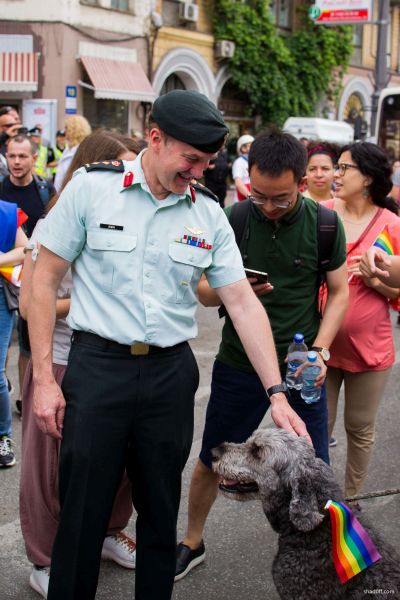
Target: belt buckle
{"points": [[140, 349]]}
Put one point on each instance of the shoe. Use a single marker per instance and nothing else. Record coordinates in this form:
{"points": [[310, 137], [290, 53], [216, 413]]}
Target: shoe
{"points": [[354, 506], [332, 442], [39, 580], [121, 549], [187, 559], [18, 406], [239, 488], [7, 458]]}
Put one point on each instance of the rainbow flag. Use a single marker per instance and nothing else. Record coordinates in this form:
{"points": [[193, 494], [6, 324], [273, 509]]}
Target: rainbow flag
{"points": [[383, 241], [353, 549], [12, 274]]}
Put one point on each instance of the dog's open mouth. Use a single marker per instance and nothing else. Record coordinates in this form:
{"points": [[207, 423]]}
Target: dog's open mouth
{"points": [[235, 486]]}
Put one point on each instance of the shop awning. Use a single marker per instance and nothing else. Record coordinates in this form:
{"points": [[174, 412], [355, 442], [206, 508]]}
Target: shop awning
{"points": [[118, 79], [19, 71]]}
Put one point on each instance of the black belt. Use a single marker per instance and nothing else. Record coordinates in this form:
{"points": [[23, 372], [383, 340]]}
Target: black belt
{"points": [[135, 349]]}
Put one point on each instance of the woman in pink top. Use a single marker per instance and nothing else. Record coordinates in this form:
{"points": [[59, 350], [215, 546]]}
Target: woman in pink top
{"points": [[362, 353]]}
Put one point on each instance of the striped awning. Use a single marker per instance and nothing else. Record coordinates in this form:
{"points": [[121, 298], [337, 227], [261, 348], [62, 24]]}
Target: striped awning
{"points": [[118, 79], [19, 71]]}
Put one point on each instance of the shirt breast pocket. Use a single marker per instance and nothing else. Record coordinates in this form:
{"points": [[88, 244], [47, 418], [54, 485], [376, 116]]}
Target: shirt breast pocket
{"points": [[114, 258], [186, 266]]}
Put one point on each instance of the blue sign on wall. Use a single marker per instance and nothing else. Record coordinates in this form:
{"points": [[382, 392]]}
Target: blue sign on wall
{"points": [[70, 100]]}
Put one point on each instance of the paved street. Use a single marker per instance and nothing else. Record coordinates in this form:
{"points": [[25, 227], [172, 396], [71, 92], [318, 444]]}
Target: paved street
{"points": [[240, 544]]}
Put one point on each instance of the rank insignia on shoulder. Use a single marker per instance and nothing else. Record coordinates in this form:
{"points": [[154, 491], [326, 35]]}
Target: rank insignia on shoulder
{"points": [[106, 165], [195, 186]]}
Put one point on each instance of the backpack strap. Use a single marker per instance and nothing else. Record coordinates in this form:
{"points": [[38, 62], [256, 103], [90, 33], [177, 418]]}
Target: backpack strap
{"points": [[327, 226], [239, 220], [43, 189]]}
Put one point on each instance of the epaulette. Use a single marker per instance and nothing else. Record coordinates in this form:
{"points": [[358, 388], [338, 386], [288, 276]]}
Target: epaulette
{"points": [[106, 165], [203, 189]]}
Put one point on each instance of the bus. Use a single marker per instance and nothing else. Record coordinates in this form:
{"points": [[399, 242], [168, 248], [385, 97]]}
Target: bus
{"points": [[387, 132]]}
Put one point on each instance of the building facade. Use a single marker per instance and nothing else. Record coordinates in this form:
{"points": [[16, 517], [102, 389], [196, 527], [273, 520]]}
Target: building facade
{"points": [[84, 56]]}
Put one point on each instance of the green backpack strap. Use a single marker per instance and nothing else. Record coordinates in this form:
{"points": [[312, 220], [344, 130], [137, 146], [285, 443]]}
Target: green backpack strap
{"points": [[238, 219]]}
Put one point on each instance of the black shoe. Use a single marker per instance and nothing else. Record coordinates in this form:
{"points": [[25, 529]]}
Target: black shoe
{"points": [[239, 488], [18, 406], [187, 559]]}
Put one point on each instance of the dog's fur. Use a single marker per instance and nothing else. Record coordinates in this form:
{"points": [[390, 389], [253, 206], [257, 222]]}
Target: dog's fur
{"points": [[294, 488]]}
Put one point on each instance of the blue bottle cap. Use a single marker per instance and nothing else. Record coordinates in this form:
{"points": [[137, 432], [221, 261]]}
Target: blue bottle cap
{"points": [[312, 356], [298, 338]]}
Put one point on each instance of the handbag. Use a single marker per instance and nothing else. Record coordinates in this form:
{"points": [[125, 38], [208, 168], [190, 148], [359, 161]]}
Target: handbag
{"points": [[11, 294]]}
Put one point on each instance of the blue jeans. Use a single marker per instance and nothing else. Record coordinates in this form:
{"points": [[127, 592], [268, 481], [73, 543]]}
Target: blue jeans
{"points": [[238, 404], [6, 325]]}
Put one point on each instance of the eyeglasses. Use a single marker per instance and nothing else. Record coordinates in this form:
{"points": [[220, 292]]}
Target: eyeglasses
{"points": [[342, 168], [277, 202]]}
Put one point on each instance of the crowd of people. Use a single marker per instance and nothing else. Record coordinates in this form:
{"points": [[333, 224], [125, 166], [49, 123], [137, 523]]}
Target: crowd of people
{"points": [[116, 254]]}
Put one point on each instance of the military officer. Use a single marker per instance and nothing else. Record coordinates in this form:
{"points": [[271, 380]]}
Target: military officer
{"points": [[139, 236]]}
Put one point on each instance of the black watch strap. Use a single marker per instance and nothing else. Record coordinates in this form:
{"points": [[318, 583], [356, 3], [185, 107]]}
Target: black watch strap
{"points": [[280, 388]]}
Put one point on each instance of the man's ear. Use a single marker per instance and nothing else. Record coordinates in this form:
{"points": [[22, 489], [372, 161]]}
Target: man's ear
{"points": [[155, 138]]}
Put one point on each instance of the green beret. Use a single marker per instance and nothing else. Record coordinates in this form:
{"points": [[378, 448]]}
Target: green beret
{"points": [[192, 118]]}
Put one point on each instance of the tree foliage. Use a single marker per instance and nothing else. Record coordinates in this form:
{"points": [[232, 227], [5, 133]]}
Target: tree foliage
{"points": [[282, 75]]}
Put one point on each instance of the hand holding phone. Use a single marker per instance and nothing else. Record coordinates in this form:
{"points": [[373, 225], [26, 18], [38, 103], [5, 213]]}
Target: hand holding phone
{"points": [[259, 275]]}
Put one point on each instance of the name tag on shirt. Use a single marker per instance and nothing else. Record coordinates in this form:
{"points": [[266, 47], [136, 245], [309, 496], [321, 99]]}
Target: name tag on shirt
{"points": [[110, 226]]}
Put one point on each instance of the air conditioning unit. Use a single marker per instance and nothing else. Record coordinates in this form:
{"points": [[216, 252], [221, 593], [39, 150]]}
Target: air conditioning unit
{"points": [[188, 12], [224, 49]]}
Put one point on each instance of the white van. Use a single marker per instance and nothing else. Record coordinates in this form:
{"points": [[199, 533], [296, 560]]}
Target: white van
{"points": [[320, 129]]}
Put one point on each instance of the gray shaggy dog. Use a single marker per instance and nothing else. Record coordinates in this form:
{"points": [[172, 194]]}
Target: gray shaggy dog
{"points": [[294, 487]]}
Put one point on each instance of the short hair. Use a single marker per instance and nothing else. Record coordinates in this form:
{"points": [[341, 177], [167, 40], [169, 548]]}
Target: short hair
{"points": [[78, 129], [103, 144], [21, 138], [4, 110], [274, 151], [372, 162]]}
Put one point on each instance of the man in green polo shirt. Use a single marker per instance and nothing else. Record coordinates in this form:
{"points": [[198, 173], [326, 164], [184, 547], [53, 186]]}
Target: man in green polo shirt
{"points": [[280, 238]]}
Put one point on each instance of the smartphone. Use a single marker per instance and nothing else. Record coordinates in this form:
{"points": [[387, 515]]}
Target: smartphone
{"points": [[22, 130], [259, 275]]}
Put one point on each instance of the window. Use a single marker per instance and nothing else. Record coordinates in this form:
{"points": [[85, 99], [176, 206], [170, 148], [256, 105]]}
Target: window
{"points": [[356, 58], [119, 4], [281, 13], [173, 82]]}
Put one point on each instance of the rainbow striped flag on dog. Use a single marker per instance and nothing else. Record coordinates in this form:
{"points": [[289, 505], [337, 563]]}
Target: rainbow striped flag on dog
{"points": [[353, 549], [383, 241]]}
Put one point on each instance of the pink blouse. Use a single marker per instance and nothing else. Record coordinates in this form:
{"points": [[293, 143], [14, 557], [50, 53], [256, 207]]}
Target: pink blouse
{"points": [[364, 341]]}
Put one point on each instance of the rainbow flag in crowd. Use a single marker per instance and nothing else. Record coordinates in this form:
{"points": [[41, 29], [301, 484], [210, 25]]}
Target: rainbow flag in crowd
{"points": [[353, 549], [383, 241], [12, 274]]}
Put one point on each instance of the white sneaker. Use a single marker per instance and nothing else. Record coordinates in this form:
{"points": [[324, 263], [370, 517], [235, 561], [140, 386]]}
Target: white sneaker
{"points": [[121, 549], [39, 580]]}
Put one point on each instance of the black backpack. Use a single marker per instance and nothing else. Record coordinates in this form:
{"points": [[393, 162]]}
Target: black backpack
{"points": [[327, 226]]}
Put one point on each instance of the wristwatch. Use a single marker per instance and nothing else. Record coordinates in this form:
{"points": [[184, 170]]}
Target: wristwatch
{"points": [[280, 388], [323, 352]]}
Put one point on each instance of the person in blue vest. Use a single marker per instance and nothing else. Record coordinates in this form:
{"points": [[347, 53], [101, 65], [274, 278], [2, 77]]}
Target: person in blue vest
{"points": [[12, 242]]}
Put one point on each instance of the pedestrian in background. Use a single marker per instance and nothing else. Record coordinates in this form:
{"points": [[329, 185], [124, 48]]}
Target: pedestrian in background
{"points": [[362, 353], [216, 174], [240, 167], [39, 495], [76, 129], [131, 376], [55, 152], [321, 158], [12, 242]]}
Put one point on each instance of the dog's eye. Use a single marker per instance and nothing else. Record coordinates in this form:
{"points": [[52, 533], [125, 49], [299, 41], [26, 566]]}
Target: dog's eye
{"points": [[255, 451]]}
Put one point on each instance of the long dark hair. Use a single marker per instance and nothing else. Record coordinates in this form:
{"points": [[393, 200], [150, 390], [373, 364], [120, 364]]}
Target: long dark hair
{"points": [[374, 163]]}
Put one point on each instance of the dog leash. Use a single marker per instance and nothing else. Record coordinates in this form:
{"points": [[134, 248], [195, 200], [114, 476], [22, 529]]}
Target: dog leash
{"points": [[368, 495]]}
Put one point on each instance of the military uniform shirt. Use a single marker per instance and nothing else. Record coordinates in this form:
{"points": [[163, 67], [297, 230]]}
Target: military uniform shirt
{"points": [[133, 278]]}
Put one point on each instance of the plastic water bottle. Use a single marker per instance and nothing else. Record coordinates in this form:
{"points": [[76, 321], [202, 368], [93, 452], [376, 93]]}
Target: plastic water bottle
{"points": [[297, 354], [309, 392]]}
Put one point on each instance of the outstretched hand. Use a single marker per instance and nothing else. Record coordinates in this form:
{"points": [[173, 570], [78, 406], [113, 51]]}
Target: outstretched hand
{"points": [[286, 418]]}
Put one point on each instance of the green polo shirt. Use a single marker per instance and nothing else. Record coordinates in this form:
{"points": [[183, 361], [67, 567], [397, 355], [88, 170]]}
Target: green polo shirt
{"points": [[288, 251]]}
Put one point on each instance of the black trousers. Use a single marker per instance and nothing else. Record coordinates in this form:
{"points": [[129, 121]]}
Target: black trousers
{"points": [[122, 411]]}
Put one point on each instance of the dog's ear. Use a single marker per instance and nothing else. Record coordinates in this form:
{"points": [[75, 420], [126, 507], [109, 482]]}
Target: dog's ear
{"points": [[303, 509]]}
